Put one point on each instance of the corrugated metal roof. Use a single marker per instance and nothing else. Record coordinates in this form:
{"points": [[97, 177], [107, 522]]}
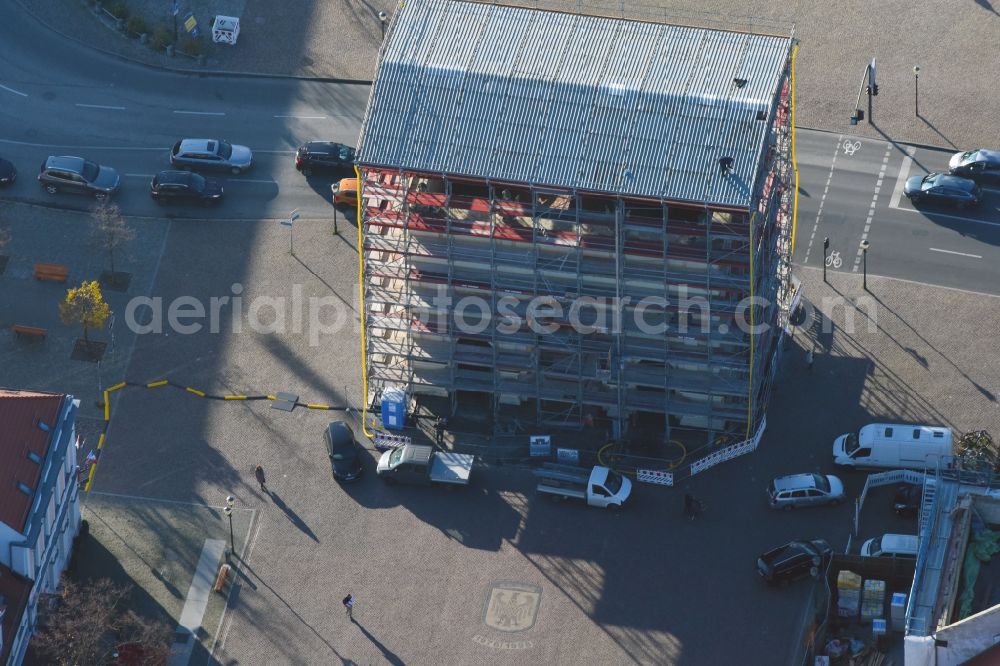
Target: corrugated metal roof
{"points": [[572, 101]]}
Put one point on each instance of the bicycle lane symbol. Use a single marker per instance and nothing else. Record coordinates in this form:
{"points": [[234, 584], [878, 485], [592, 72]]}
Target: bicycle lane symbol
{"points": [[833, 260], [851, 147]]}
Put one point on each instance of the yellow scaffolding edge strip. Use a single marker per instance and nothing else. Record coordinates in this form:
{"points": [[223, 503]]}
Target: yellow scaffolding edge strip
{"points": [[234, 397], [317, 405], [195, 391], [100, 441], [271, 397], [115, 387], [795, 164], [361, 291], [90, 478], [107, 407], [161, 382]]}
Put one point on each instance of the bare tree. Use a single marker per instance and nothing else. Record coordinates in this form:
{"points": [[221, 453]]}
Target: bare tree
{"points": [[977, 452], [110, 229], [90, 623]]}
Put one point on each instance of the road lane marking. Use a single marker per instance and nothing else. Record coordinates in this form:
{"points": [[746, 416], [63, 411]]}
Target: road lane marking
{"points": [[251, 180], [822, 199], [932, 215], [201, 113], [101, 106], [304, 117], [961, 254], [871, 208], [904, 173], [16, 92]]}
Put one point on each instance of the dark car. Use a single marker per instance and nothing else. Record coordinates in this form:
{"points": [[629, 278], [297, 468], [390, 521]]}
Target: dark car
{"points": [[944, 189], [8, 174], [344, 452], [324, 156], [211, 155], [796, 559], [979, 163], [75, 174], [906, 502], [184, 186]]}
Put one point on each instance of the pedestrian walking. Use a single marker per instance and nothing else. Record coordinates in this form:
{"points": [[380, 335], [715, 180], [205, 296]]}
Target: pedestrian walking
{"points": [[809, 360], [349, 606], [259, 474]]}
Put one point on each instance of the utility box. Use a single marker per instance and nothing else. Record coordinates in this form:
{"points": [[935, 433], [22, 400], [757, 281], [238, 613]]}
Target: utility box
{"points": [[225, 30]]}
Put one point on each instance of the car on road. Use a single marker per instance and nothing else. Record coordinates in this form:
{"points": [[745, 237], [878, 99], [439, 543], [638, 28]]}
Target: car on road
{"points": [[211, 155], [8, 174], [345, 192], [794, 560], [77, 175], [943, 189], [795, 490], [344, 452], [184, 187], [906, 501], [324, 157], [979, 163]]}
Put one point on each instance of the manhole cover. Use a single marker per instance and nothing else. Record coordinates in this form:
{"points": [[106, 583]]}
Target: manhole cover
{"points": [[512, 606]]}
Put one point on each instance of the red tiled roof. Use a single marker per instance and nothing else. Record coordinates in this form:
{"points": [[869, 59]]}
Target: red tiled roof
{"points": [[15, 591], [20, 412]]}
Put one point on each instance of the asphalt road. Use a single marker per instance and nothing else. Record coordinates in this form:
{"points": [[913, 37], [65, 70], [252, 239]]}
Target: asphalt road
{"points": [[850, 189]]}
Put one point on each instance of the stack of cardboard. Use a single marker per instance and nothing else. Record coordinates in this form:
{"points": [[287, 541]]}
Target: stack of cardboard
{"points": [[848, 594], [873, 600]]}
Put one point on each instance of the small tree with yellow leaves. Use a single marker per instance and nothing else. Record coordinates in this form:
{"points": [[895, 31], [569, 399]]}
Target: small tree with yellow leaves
{"points": [[85, 305]]}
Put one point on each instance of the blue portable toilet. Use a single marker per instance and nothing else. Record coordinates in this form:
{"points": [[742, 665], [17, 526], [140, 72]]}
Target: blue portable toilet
{"points": [[393, 408]]}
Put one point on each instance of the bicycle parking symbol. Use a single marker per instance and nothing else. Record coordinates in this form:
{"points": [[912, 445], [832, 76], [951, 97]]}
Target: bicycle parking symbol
{"points": [[833, 260], [851, 148]]}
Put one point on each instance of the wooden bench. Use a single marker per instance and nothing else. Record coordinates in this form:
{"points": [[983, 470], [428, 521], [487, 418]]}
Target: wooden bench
{"points": [[30, 331], [51, 272], [222, 577]]}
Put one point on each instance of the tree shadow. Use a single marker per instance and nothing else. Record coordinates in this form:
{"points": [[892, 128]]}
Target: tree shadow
{"points": [[292, 516]]}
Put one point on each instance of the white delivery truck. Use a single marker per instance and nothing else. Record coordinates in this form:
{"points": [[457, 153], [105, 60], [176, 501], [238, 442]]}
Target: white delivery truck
{"points": [[422, 465], [600, 487], [896, 446]]}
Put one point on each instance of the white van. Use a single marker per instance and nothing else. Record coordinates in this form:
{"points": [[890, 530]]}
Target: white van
{"points": [[895, 446], [891, 545]]}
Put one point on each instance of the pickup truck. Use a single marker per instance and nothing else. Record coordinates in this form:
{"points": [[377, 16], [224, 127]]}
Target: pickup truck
{"points": [[422, 465], [600, 487]]}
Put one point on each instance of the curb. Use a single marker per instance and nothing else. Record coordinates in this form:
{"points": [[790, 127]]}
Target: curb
{"points": [[181, 70]]}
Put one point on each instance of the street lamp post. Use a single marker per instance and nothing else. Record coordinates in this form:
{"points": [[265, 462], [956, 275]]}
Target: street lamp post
{"points": [[864, 263], [230, 503], [826, 246], [916, 91]]}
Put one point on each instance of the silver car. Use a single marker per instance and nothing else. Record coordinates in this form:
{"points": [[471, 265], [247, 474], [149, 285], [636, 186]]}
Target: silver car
{"points": [[211, 155], [795, 490]]}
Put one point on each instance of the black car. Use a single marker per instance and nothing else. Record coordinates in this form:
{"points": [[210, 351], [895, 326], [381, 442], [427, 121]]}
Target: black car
{"points": [[980, 163], [944, 189], [75, 174], [324, 156], [906, 502], [184, 186], [211, 155], [344, 452], [796, 559], [8, 174]]}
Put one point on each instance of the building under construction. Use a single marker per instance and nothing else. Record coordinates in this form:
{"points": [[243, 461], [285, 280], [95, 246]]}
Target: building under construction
{"points": [[577, 220]]}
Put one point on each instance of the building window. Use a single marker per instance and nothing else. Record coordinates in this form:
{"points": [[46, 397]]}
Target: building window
{"points": [[25, 488], [34, 457]]}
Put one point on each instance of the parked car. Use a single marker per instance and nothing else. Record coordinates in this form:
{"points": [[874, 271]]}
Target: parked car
{"points": [[903, 546], [796, 559], [907, 499], [211, 154], [75, 174], [8, 174], [789, 492], [324, 156], [979, 163], [344, 452], [184, 186], [345, 192], [943, 189]]}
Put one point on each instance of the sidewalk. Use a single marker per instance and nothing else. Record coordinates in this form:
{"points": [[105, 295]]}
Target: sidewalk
{"points": [[340, 40]]}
